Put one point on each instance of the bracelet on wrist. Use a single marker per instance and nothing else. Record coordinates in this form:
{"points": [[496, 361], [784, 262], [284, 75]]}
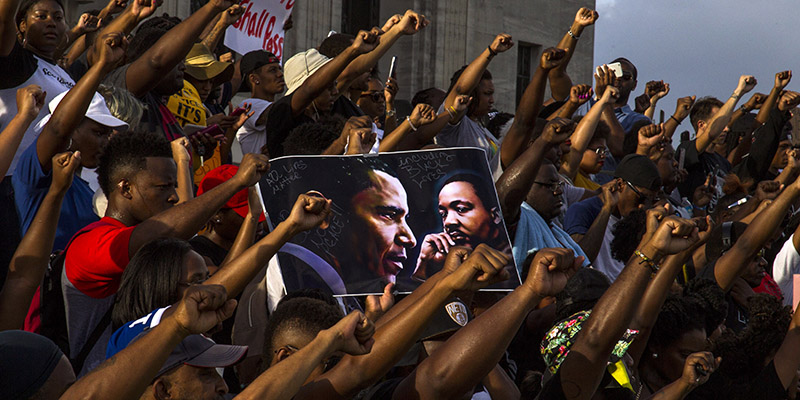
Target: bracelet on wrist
{"points": [[574, 36], [736, 96], [647, 261], [672, 117], [745, 109], [451, 111], [413, 128], [492, 53], [391, 113]]}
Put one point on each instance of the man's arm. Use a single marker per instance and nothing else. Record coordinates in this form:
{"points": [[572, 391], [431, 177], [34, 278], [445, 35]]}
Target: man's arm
{"points": [[516, 181], [226, 19], [30, 101], [560, 83], [307, 213], [720, 120], [146, 72], [201, 309], [30, 260], [519, 135], [322, 79], [410, 23], [185, 220], [473, 351], [57, 133], [583, 367], [731, 265], [351, 335], [392, 339]]}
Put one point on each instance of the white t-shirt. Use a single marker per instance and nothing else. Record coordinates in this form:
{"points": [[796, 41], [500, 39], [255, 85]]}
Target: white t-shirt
{"points": [[468, 133], [786, 264], [251, 136], [51, 78], [605, 262]]}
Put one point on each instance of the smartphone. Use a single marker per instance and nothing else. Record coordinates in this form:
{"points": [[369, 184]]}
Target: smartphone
{"points": [[681, 158], [213, 130], [238, 111], [616, 68], [392, 70]]}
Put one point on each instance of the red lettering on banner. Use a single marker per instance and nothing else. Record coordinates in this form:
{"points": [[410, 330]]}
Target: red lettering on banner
{"points": [[268, 34], [289, 4]]}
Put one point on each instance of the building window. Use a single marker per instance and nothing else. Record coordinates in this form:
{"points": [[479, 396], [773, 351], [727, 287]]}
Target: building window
{"points": [[525, 54], [359, 15]]}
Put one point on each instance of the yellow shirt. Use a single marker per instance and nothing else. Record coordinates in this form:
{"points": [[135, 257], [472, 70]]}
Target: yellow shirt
{"points": [[188, 108], [583, 181]]}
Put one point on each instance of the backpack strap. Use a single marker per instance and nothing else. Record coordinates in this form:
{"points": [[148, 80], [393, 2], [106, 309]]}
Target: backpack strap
{"points": [[77, 363]]}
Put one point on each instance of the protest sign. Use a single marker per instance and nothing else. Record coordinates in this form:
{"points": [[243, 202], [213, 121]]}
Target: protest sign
{"points": [[394, 217], [260, 27]]}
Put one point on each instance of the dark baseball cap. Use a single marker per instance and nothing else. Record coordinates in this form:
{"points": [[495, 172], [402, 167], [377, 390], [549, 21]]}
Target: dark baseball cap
{"points": [[256, 59], [200, 351], [640, 171]]}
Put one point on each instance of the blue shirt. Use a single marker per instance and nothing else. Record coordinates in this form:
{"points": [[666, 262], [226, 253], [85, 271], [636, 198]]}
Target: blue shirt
{"points": [[123, 336], [31, 184]]}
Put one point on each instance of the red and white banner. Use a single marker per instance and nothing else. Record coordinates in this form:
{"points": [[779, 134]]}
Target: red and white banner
{"points": [[261, 27]]}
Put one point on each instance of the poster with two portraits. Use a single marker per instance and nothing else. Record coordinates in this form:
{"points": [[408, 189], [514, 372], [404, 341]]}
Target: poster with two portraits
{"points": [[394, 217]]}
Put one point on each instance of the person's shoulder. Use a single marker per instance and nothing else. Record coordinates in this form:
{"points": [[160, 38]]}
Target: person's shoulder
{"points": [[17, 67]]}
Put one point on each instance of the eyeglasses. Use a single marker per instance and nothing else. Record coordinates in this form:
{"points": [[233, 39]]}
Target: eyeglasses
{"points": [[600, 151], [641, 197], [374, 96], [553, 186]]}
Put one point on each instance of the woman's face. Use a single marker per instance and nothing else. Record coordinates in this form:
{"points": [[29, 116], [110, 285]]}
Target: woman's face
{"points": [[484, 103], [44, 27], [594, 157], [193, 271], [671, 359], [90, 138]]}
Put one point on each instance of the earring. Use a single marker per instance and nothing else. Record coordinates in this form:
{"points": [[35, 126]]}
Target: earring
{"points": [[257, 82], [217, 220], [655, 355]]}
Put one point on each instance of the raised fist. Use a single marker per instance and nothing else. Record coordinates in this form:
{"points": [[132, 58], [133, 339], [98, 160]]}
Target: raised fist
{"points": [[501, 43]]}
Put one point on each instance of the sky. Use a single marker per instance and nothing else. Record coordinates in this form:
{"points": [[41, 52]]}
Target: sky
{"points": [[700, 47]]}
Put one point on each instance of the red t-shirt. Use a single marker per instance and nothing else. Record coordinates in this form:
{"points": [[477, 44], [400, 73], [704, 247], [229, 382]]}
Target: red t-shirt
{"points": [[96, 259]]}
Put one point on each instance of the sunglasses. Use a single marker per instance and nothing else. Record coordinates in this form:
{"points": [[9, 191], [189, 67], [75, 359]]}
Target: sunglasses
{"points": [[374, 96], [642, 199]]}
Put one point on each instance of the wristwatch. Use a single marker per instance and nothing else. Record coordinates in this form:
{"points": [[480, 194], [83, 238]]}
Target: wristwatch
{"points": [[391, 113], [745, 109]]}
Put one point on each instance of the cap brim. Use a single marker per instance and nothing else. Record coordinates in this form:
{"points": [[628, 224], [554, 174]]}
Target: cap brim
{"points": [[109, 121], [217, 356], [218, 71]]}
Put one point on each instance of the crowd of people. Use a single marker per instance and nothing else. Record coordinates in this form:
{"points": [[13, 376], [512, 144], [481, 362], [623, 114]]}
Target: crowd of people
{"points": [[133, 253]]}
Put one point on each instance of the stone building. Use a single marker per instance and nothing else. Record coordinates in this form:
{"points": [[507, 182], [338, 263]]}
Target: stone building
{"points": [[459, 31]]}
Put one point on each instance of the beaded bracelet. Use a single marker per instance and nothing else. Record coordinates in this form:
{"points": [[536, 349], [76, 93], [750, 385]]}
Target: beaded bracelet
{"points": [[647, 260]]}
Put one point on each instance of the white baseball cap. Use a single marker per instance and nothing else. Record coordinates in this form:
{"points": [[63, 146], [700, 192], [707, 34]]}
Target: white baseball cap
{"points": [[97, 111]]}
